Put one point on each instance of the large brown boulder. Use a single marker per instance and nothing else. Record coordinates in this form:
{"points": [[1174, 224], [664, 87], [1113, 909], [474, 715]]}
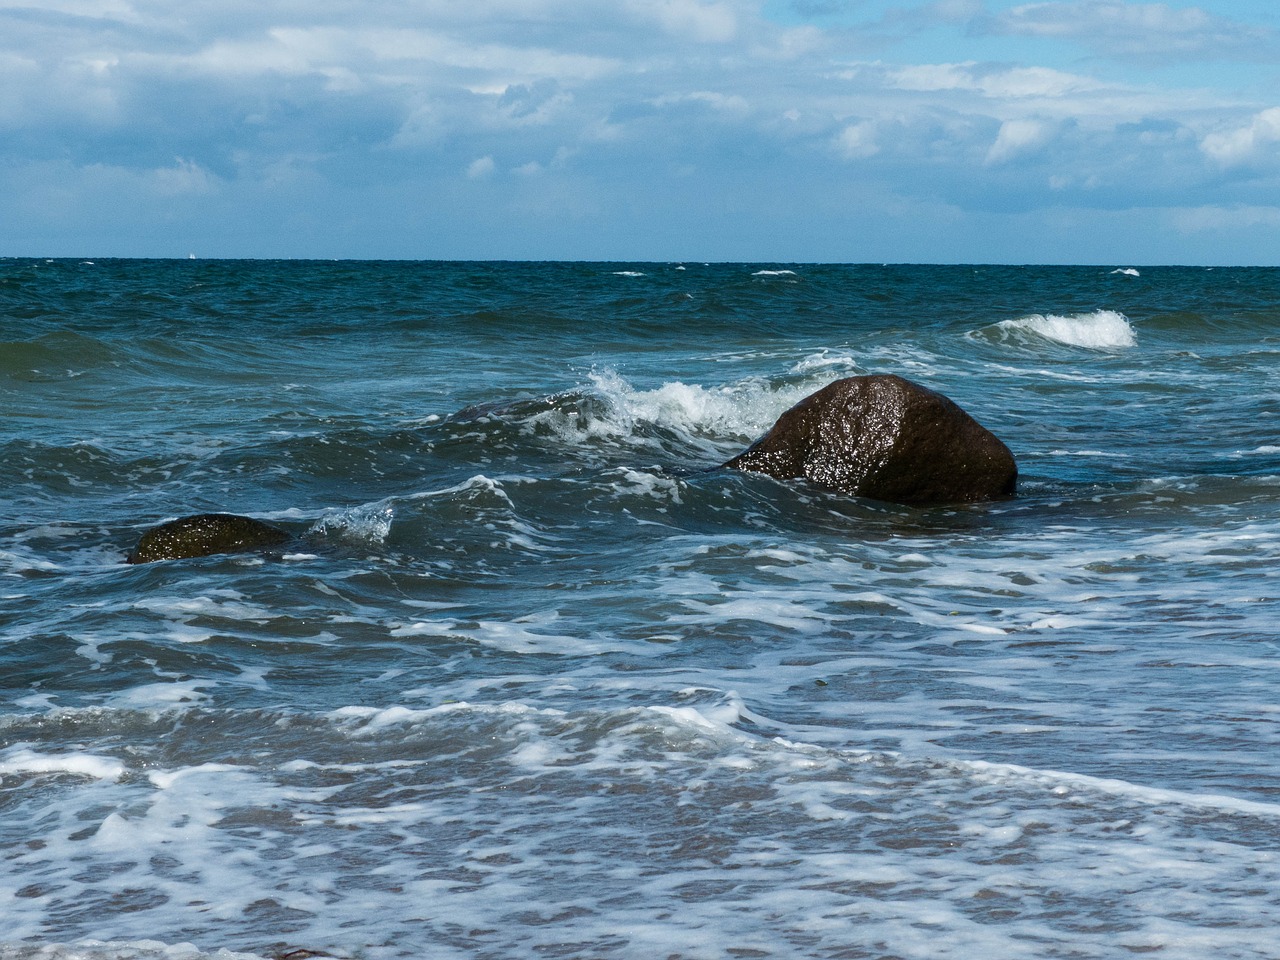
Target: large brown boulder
{"points": [[885, 438], [205, 534]]}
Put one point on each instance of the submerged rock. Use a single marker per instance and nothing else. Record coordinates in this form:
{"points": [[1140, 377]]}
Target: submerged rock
{"points": [[205, 534], [886, 438]]}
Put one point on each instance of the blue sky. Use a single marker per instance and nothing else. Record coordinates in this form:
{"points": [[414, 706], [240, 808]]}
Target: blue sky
{"points": [[1066, 131]]}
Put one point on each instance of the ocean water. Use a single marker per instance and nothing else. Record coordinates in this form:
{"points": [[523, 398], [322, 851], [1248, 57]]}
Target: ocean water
{"points": [[536, 680]]}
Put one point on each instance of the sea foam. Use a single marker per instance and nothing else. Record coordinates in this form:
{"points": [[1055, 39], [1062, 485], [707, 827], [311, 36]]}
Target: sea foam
{"points": [[1105, 330], [699, 415], [23, 760]]}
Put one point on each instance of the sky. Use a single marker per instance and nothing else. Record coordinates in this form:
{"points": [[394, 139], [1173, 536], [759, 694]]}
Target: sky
{"points": [[956, 131]]}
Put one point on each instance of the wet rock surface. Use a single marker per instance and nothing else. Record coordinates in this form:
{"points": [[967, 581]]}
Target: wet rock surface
{"points": [[204, 534], [886, 438]]}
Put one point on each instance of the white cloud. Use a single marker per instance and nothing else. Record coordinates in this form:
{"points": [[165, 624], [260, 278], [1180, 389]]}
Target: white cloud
{"points": [[635, 99], [858, 141], [689, 19], [720, 102], [480, 168], [1147, 30], [388, 56], [1018, 138], [97, 9], [1245, 144], [991, 80]]}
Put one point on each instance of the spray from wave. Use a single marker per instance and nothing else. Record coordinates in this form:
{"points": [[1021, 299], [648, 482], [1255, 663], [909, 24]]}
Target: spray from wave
{"points": [[673, 419], [367, 523]]}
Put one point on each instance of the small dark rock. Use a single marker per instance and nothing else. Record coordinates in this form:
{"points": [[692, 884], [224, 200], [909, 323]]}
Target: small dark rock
{"points": [[205, 534], [885, 438]]}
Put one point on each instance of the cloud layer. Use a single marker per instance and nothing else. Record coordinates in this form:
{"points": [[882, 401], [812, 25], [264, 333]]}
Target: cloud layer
{"points": [[659, 129]]}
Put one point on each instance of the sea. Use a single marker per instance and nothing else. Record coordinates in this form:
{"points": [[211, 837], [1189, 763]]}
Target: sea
{"points": [[536, 679]]}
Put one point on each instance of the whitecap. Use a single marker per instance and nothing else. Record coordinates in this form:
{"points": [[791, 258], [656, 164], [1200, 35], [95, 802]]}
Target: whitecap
{"points": [[627, 273], [77, 764], [701, 416], [1103, 330]]}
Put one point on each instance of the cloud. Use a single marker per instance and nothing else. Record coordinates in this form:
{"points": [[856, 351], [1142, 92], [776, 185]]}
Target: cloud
{"points": [[1243, 145], [480, 168], [1018, 138], [689, 19], [858, 141], [690, 107], [998, 81], [1151, 31]]}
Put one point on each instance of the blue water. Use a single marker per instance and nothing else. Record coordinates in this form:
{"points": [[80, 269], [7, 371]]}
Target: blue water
{"points": [[535, 681]]}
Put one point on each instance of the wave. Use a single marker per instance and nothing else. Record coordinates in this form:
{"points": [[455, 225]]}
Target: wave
{"points": [[707, 825], [674, 421], [699, 416], [1101, 330]]}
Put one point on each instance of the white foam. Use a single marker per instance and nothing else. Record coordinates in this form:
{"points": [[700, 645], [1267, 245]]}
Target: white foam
{"points": [[702, 416], [381, 828], [37, 701], [117, 950], [166, 779], [1104, 330], [1089, 453], [1062, 782], [19, 760], [774, 273], [14, 563], [169, 695], [653, 485], [223, 604], [627, 273], [90, 649], [793, 615], [827, 362], [1127, 271]]}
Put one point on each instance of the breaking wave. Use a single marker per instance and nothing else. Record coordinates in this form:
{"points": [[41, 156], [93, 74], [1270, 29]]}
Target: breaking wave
{"points": [[1102, 330]]}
